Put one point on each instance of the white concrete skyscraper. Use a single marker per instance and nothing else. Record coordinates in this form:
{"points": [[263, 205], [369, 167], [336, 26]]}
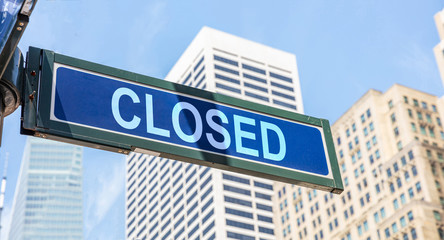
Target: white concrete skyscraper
{"points": [[48, 196], [168, 199]]}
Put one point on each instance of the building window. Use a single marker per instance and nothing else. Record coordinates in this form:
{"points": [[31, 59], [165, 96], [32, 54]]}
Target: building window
{"points": [[237, 190], [423, 130], [413, 233], [365, 131], [238, 213], [396, 131], [437, 216], [390, 104], [393, 117], [362, 118], [228, 88], [424, 105], [411, 194], [407, 176], [225, 60], [419, 114], [411, 155], [371, 126], [227, 79], [418, 187], [218, 67], [431, 132], [257, 79], [280, 77], [403, 161], [395, 204], [236, 179], [399, 182], [413, 127], [392, 187], [377, 154], [440, 157], [240, 236], [279, 94], [410, 113], [389, 172], [360, 230], [382, 211], [387, 232], [394, 228], [441, 234], [410, 216], [283, 104], [415, 103], [279, 85], [185, 82], [239, 224], [406, 99], [414, 171], [376, 217]]}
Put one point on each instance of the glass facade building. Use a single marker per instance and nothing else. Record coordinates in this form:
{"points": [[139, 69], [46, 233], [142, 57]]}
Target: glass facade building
{"points": [[48, 195]]}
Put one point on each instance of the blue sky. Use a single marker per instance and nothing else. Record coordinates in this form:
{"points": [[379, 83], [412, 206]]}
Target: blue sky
{"points": [[343, 48]]}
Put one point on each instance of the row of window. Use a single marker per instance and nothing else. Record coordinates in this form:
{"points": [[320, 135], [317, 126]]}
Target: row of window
{"points": [[248, 226], [250, 68], [424, 105]]}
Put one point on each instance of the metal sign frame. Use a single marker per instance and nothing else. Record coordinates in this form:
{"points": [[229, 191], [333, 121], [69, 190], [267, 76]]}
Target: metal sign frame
{"points": [[36, 122]]}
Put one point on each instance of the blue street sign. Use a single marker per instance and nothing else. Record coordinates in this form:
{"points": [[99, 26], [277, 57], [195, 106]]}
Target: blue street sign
{"points": [[97, 105], [172, 118]]}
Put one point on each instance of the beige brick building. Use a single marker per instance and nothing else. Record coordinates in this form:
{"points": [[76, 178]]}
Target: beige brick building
{"points": [[390, 148]]}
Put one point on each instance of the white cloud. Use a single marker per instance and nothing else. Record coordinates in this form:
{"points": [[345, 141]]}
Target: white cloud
{"points": [[102, 194], [144, 29]]}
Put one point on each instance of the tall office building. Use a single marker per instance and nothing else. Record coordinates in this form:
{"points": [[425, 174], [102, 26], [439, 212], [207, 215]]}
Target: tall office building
{"points": [[439, 48], [391, 155], [48, 196], [167, 199]]}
